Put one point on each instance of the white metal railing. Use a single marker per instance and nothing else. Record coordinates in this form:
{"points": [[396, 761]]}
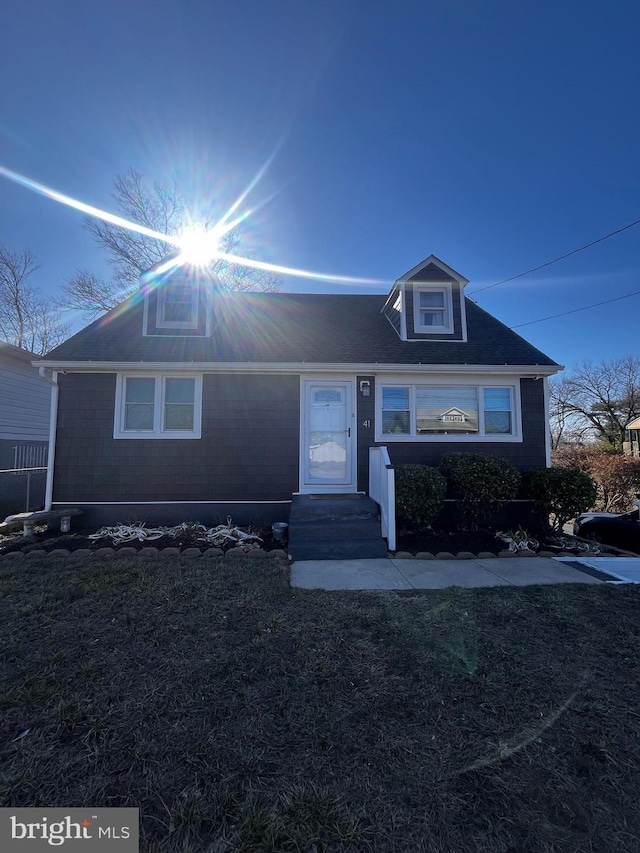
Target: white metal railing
{"points": [[382, 488], [29, 456], [28, 459]]}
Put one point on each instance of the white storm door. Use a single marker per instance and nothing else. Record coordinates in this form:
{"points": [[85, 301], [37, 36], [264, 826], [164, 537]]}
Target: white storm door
{"points": [[329, 438]]}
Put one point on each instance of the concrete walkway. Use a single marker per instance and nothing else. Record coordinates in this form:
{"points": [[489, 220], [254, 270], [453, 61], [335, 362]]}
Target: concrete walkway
{"points": [[433, 574]]}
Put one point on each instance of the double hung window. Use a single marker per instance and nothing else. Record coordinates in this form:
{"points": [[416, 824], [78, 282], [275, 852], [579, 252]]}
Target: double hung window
{"points": [[177, 306], [432, 309], [158, 407]]}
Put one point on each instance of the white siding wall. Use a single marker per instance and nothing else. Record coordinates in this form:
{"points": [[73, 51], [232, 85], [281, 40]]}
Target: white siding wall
{"points": [[25, 398]]}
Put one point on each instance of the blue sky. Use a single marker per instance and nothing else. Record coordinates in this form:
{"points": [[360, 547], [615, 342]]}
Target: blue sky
{"points": [[495, 135]]}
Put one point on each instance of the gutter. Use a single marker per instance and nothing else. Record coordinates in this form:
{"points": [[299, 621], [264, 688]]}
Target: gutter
{"points": [[530, 370], [53, 421]]}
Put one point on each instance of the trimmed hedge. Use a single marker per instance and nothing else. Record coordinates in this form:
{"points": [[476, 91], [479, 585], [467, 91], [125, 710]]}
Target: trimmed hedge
{"points": [[420, 492], [482, 484], [562, 493]]}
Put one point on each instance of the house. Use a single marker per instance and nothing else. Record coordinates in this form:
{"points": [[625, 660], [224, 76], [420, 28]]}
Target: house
{"points": [[25, 400], [631, 445], [187, 402]]}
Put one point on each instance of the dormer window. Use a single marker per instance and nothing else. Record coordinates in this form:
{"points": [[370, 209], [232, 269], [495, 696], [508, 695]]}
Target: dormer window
{"points": [[433, 309], [177, 307], [427, 303]]}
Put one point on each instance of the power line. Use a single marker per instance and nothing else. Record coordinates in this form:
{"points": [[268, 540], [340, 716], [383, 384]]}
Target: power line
{"points": [[555, 261], [575, 310]]}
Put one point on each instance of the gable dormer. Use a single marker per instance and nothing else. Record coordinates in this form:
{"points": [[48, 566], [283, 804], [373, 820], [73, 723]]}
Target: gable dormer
{"points": [[427, 303], [178, 302]]}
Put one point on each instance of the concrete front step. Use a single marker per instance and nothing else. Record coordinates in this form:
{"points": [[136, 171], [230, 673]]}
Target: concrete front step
{"points": [[327, 528], [307, 508], [335, 528], [338, 549]]}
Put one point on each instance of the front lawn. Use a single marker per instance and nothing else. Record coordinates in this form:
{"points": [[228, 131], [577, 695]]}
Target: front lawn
{"points": [[241, 715]]}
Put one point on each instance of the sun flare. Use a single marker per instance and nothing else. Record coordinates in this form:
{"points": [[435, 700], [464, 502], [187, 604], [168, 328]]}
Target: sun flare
{"points": [[198, 245]]}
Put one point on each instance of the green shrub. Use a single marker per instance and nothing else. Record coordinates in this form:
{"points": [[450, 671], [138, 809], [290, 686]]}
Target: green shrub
{"points": [[420, 492], [561, 493], [482, 484]]}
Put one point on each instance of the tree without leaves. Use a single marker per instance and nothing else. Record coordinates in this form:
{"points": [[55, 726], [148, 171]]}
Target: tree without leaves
{"points": [[27, 319], [617, 477], [597, 400], [162, 209], [567, 427]]}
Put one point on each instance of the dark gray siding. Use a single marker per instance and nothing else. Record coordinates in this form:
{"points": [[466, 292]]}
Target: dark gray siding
{"points": [[527, 454], [97, 515], [248, 451], [366, 421]]}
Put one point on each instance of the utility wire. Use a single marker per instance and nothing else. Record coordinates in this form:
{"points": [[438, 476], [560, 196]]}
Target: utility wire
{"points": [[555, 261], [575, 310]]}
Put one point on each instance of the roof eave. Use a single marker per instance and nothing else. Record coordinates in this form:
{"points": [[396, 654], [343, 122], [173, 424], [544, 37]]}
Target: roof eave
{"points": [[539, 370]]}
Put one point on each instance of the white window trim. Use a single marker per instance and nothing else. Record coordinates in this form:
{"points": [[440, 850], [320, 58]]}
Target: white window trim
{"points": [[440, 287], [161, 323], [468, 382], [158, 431]]}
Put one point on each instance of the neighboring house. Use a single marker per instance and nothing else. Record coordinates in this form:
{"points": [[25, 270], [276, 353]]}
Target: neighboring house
{"points": [[631, 445], [188, 402], [25, 401]]}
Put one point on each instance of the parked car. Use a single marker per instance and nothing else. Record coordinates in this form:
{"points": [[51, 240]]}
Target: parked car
{"points": [[622, 530]]}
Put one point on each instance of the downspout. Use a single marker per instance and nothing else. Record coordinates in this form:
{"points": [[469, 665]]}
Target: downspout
{"points": [[53, 421], [547, 422]]}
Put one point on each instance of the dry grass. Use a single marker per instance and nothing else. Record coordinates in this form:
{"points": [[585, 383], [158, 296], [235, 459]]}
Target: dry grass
{"points": [[241, 715]]}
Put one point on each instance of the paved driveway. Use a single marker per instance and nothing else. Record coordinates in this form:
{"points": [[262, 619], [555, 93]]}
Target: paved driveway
{"points": [[621, 569]]}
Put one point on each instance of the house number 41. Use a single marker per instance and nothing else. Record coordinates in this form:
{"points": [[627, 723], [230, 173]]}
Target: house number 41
{"points": [[366, 423]]}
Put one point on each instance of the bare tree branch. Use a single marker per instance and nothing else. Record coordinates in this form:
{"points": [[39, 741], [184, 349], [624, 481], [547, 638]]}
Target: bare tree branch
{"points": [[86, 289], [163, 209], [596, 400], [27, 319]]}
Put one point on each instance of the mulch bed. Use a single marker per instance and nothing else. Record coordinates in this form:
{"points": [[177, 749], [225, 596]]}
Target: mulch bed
{"points": [[51, 540], [407, 540], [455, 541]]}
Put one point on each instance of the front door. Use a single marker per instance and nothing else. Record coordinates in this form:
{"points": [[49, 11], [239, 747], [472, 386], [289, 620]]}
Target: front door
{"points": [[328, 457]]}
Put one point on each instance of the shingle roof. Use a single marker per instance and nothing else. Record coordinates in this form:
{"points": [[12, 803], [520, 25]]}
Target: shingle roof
{"points": [[17, 352], [294, 328]]}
